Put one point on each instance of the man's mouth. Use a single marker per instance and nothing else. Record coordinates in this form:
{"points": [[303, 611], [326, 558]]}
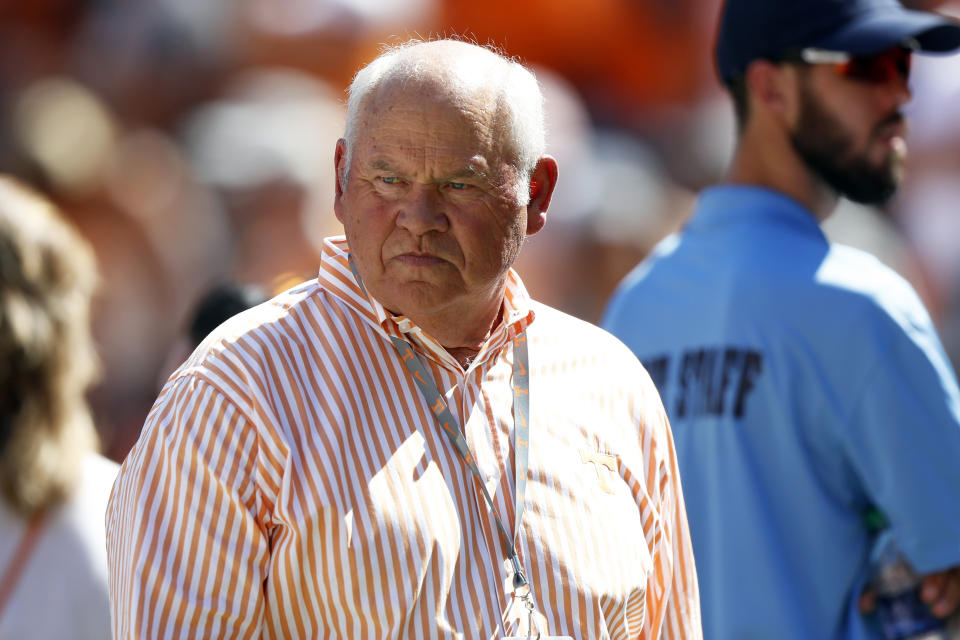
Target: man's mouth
{"points": [[419, 259], [892, 130]]}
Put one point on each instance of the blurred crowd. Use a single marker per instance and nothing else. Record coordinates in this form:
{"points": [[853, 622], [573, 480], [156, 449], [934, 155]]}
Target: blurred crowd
{"points": [[192, 144]]}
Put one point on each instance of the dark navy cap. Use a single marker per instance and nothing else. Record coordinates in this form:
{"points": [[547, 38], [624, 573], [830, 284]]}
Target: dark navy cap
{"points": [[766, 29]]}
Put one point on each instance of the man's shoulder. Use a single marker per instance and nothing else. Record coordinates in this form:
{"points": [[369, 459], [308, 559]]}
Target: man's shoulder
{"points": [[858, 282], [840, 301], [582, 364], [857, 271], [567, 336], [561, 325], [305, 316]]}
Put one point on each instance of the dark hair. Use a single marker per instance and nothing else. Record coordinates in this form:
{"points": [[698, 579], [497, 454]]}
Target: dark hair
{"points": [[219, 304]]}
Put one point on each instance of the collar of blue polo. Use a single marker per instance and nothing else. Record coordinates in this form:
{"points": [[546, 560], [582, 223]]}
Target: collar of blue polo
{"points": [[725, 205]]}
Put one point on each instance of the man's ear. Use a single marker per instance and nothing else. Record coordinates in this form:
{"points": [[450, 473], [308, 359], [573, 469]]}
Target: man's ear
{"points": [[340, 170], [542, 183], [772, 89]]}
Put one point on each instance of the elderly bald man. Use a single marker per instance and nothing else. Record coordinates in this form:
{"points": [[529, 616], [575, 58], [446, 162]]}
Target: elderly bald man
{"points": [[408, 445]]}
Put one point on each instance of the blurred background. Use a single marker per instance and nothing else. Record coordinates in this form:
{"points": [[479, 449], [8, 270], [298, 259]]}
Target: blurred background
{"points": [[192, 143]]}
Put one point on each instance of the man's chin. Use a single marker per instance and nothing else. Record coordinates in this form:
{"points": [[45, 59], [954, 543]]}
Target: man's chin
{"points": [[876, 192], [871, 184], [416, 297]]}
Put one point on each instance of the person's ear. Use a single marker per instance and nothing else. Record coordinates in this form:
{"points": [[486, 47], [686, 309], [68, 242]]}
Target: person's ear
{"points": [[542, 183], [340, 170], [772, 89]]}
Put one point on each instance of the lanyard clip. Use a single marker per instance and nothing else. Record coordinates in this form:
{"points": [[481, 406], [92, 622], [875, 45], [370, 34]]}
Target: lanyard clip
{"points": [[523, 591], [520, 585]]}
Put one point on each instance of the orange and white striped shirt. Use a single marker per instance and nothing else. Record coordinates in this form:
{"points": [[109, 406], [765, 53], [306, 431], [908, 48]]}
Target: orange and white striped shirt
{"points": [[292, 482]]}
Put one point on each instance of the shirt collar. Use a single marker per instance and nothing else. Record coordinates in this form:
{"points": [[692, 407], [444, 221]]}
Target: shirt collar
{"points": [[725, 205], [336, 277]]}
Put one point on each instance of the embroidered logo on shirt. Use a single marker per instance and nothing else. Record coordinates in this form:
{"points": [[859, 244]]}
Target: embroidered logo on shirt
{"points": [[603, 463]]}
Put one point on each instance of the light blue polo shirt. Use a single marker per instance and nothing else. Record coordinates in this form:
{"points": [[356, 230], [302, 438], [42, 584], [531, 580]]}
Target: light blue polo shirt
{"points": [[804, 382]]}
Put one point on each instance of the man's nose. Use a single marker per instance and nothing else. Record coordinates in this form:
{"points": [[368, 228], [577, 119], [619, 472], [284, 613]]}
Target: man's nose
{"points": [[422, 210], [899, 89]]}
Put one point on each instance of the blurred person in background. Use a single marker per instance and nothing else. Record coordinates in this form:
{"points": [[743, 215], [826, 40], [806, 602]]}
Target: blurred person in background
{"points": [[220, 303], [804, 380], [255, 148], [159, 236], [53, 572], [303, 475]]}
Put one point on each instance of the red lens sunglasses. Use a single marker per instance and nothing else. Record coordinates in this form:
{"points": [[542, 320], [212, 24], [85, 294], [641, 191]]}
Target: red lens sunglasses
{"points": [[879, 68]]}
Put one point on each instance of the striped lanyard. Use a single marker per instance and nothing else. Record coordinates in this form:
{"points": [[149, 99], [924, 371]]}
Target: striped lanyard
{"points": [[521, 438]]}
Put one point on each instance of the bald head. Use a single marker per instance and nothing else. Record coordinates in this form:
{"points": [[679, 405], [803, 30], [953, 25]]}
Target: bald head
{"points": [[459, 72]]}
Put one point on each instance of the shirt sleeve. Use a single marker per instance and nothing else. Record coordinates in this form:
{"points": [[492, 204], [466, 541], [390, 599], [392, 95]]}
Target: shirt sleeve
{"points": [[187, 542], [673, 597], [904, 440]]}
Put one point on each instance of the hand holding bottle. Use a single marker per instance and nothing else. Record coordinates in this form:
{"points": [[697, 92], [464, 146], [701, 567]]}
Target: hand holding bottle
{"points": [[908, 605]]}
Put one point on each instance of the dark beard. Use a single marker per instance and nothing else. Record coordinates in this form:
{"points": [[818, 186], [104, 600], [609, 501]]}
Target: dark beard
{"points": [[827, 150]]}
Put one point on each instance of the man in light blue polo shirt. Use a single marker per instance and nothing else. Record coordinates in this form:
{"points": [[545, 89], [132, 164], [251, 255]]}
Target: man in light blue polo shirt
{"points": [[804, 381]]}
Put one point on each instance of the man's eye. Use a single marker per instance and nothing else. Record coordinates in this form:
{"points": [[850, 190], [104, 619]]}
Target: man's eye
{"points": [[389, 179], [459, 186]]}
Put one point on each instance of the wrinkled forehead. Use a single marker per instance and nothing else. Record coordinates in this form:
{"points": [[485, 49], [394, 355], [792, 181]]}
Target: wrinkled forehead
{"points": [[437, 109], [437, 91]]}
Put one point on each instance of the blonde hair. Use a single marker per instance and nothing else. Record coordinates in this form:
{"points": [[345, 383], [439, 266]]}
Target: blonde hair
{"points": [[47, 359]]}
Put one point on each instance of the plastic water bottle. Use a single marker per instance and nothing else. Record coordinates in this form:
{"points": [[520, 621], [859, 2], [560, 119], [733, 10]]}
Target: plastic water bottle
{"points": [[901, 612]]}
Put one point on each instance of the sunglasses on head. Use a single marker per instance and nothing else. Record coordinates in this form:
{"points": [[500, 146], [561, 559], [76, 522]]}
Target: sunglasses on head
{"points": [[879, 68]]}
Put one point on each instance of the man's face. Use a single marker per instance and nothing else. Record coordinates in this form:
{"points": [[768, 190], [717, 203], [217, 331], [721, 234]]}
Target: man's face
{"points": [[430, 208], [851, 133]]}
